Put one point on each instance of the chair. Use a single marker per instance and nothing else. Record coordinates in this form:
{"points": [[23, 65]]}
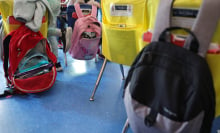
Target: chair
{"points": [[100, 76], [126, 126], [122, 27]]}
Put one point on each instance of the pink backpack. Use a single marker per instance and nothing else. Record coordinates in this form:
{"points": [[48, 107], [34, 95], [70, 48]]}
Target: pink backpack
{"points": [[86, 35]]}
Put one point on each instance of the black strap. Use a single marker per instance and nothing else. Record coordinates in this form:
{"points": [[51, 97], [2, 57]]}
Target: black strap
{"points": [[63, 38], [11, 92], [151, 118], [6, 43], [63, 31], [7, 93], [194, 44]]}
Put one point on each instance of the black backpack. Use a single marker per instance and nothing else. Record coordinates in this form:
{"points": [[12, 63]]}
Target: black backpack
{"points": [[170, 89]]}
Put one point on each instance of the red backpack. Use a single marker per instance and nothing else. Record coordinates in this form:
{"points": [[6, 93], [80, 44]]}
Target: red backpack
{"points": [[86, 35], [28, 61]]}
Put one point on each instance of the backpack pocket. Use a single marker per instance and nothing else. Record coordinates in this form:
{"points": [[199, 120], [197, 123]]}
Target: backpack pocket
{"points": [[37, 83], [120, 43], [32, 62], [87, 48], [137, 112], [35, 72]]}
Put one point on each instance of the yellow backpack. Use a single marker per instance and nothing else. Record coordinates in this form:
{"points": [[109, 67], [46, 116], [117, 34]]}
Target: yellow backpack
{"points": [[123, 23], [10, 24]]}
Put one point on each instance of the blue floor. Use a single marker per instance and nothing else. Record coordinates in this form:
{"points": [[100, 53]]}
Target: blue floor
{"points": [[66, 108]]}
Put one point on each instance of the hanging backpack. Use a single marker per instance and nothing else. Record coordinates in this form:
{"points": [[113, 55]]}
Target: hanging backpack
{"points": [[86, 35], [169, 88], [28, 62]]}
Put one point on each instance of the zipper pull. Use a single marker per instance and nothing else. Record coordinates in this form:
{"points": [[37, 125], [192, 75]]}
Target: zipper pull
{"points": [[19, 52]]}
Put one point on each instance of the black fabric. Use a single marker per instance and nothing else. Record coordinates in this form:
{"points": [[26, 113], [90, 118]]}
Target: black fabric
{"points": [[11, 92], [62, 26], [151, 118], [179, 81], [6, 43], [6, 93]]}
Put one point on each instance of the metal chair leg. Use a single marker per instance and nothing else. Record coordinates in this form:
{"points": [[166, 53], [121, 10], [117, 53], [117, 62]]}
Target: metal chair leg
{"points": [[65, 59], [122, 71], [98, 80], [126, 126]]}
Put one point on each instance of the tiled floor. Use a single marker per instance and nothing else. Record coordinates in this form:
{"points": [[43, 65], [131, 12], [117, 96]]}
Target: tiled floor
{"points": [[66, 108]]}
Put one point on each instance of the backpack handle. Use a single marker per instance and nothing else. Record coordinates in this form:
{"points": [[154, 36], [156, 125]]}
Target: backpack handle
{"points": [[203, 27], [194, 44], [79, 11]]}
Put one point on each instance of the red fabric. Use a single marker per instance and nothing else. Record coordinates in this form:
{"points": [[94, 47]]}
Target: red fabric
{"points": [[74, 15], [28, 85], [147, 36], [178, 42], [22, 40], [214, 51]]}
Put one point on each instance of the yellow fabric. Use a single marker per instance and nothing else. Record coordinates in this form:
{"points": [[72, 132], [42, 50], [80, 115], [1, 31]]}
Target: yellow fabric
{"points": [[122, 35], [152, 6], [6, 9], [214, 64]]}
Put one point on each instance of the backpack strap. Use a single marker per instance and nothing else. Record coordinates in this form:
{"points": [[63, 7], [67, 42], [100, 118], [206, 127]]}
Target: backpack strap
{"points": [[162, 19], [6, 43], [79, 11], [94, 11], [205, 25], [207, 18]]}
